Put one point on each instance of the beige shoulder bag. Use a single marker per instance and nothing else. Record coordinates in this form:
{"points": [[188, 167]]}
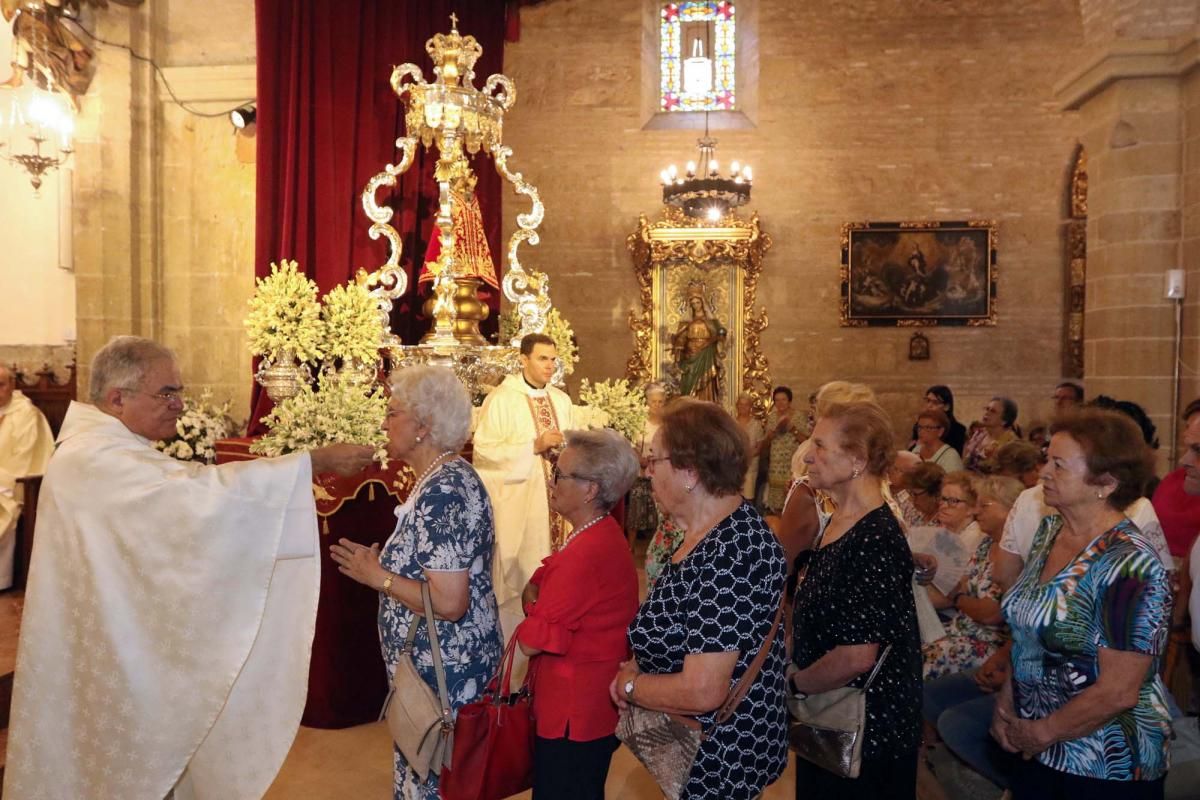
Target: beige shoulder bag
{"points": [[422, 727]]}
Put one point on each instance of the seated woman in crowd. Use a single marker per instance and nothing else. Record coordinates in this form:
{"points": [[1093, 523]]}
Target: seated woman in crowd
{"points": [[428, 421], [940, 398], [856, 599], [1089, 618], [995, 429], [977, 629], [709, 613], [1021, 460], [922, 495], [577, 607], [931, 445]]}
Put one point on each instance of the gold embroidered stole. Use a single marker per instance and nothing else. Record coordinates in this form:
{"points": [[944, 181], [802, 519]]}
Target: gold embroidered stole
{"points": [[546, 419]]}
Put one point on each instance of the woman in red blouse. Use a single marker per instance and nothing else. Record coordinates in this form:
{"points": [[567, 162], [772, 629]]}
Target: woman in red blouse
{"points": [[577, 607]]}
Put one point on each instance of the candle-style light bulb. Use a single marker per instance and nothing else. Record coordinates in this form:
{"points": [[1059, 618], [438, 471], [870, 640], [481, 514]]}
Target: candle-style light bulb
{"points": [[736, 168], [712, 167], [747, 174], [672, 171], [666, 177], [691, 169]]}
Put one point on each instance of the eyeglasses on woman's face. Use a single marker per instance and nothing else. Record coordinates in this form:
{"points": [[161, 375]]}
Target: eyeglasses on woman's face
{"points": [[650, 462], [953, 502], [929, 427], [556, 474]]}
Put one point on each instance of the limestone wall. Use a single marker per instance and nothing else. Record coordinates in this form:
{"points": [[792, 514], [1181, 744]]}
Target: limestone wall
{"points": [[866, 111]]}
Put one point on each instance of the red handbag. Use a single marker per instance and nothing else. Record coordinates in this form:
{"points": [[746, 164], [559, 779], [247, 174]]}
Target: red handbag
{"points": [[493, 741]]}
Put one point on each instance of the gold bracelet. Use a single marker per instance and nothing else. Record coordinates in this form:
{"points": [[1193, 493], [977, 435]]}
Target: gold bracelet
{"points": [[387, 584]]}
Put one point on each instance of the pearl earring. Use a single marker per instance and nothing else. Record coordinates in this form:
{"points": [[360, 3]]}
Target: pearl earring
{"points": [[693, 486], [855, 473], [418, 440]]}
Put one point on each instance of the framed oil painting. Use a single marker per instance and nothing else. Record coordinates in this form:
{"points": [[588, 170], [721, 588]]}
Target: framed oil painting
{"points": [[918, 273]]}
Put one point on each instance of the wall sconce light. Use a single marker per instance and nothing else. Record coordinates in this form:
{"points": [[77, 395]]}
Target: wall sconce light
{"points": [[244, 116]]}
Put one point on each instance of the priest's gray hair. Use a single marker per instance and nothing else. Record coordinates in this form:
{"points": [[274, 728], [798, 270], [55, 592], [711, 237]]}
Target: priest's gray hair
{"points": [[608, 459], [436, 397], [122, 363]]}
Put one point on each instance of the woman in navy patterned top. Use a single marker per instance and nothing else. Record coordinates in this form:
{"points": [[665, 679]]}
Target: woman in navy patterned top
{"points": [[856, 599], [443, 537], [709, 612]]}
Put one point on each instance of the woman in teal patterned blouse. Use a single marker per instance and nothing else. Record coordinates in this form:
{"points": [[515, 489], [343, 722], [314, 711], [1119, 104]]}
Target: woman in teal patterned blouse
{"points": [[1089, 616]]}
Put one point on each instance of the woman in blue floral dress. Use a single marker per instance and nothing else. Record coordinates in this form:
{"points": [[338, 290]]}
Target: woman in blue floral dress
{"points": [[443, 537], [1086, 706]]}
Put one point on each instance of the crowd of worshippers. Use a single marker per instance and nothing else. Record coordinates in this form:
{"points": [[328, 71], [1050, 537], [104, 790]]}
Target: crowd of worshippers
{"points": [[157, 584]]}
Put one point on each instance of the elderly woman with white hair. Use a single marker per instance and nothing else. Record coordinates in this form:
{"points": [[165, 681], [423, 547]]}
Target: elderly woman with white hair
{"points": [[443, 537], [578, 606]]}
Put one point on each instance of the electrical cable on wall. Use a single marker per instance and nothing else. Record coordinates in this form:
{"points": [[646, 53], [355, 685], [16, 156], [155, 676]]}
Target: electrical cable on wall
{"points": [[175, 99]]}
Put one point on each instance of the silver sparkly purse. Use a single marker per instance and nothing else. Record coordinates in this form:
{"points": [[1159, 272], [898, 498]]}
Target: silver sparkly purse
{"points": [[828, 728]]}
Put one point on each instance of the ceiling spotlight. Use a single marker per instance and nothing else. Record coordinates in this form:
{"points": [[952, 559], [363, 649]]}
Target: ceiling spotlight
{"points": [[243, 116]]}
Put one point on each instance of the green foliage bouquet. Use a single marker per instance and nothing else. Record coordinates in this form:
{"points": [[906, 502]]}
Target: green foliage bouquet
{"points": [[624, 404], [352, 326], [197, 430], [285, 316], [338, 412]]}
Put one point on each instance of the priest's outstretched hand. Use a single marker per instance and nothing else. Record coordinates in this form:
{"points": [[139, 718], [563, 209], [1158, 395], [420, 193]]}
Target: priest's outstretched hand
{"points": [[344, 459]]}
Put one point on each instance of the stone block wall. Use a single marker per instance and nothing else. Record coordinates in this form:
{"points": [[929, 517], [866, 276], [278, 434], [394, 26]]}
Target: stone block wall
{"points": [[866, 111]]}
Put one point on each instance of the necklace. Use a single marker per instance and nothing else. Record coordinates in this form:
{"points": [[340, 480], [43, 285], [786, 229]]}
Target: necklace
{"points": [[437, 462], [580, 530]]}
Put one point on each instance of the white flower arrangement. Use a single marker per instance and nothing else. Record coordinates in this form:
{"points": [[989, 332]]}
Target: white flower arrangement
{"points": [[285, 316], [352, 326], [197, 430], [557, 328], [338, 412], [624, 404]]}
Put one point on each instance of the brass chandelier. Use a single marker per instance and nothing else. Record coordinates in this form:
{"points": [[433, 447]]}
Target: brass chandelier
{"points": [[702, 192]]}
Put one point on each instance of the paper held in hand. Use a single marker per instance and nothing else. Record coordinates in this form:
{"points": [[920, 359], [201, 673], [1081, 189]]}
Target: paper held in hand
{"points": [[952, 551]]}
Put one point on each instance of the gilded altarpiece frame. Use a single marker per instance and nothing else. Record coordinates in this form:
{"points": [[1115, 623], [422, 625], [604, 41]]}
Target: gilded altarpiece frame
{"points": [[677, 258]]}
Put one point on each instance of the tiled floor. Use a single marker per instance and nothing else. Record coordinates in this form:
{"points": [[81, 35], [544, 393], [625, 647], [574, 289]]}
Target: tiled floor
{"points": [[357, 763]]}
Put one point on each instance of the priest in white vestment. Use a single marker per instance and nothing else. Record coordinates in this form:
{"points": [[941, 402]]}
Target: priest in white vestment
{"points": [[170, 606], [516, 443], [25, 446]]}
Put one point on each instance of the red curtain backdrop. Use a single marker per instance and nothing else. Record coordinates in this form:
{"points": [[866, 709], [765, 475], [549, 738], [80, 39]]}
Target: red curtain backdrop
{"points": [[328, 121]]}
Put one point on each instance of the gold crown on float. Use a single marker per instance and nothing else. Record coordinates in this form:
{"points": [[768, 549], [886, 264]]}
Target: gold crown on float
{"points": [[453, 55]]}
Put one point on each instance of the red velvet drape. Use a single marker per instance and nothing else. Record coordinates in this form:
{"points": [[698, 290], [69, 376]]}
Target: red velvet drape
{"points": [[328, 120]]}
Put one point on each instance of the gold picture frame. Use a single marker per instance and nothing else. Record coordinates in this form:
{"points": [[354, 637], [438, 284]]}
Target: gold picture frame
{"points": [[678, 260], [916, 274]]}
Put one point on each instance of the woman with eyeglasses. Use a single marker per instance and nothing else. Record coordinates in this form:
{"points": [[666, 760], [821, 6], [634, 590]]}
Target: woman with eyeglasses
{"points": [[977, 629], [940, 398], [708, 614], [578, 605], [930, 445]]}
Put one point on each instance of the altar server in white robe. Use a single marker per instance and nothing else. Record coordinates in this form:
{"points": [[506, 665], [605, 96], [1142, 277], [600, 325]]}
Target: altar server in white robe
{"points": [[25, 446], [170, 606], [516, 445]]}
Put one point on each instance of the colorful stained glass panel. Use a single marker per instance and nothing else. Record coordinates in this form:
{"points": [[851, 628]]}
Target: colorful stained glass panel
{"points": [[718, 16]]}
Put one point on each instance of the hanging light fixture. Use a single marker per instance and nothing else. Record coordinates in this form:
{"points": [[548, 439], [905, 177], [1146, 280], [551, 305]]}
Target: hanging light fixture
{"points": [[38, 124], [701, 191]]}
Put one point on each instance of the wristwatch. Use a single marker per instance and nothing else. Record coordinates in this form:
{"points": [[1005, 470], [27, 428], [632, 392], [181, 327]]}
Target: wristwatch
{"points": [[629, 688], [387, 584]]}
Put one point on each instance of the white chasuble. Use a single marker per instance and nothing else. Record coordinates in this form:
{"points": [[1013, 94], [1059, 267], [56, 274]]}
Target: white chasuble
{"points": [[168, 622], [516, 477], [25, 446]]}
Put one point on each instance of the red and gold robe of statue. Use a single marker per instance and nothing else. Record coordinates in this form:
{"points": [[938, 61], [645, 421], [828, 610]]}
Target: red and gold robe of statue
{"points": [[471, 251]]}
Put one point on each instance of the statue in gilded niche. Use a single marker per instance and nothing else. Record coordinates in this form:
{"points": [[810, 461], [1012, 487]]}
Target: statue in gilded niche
{"points": [[698, 347]]}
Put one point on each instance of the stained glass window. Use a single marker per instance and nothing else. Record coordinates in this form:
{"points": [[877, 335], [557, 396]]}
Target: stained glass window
{"points": [[697, 56]]}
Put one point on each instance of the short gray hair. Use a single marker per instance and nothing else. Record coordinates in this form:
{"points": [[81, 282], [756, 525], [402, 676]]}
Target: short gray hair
{"points": [[122, 364], [608, 459], [438, 399]]}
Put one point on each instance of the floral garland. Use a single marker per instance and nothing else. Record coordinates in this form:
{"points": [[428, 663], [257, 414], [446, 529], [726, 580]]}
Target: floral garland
{"points": [[285, 316], [624, 404], [352, 329], [197, 430], [557, 328], [337, 412]]}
